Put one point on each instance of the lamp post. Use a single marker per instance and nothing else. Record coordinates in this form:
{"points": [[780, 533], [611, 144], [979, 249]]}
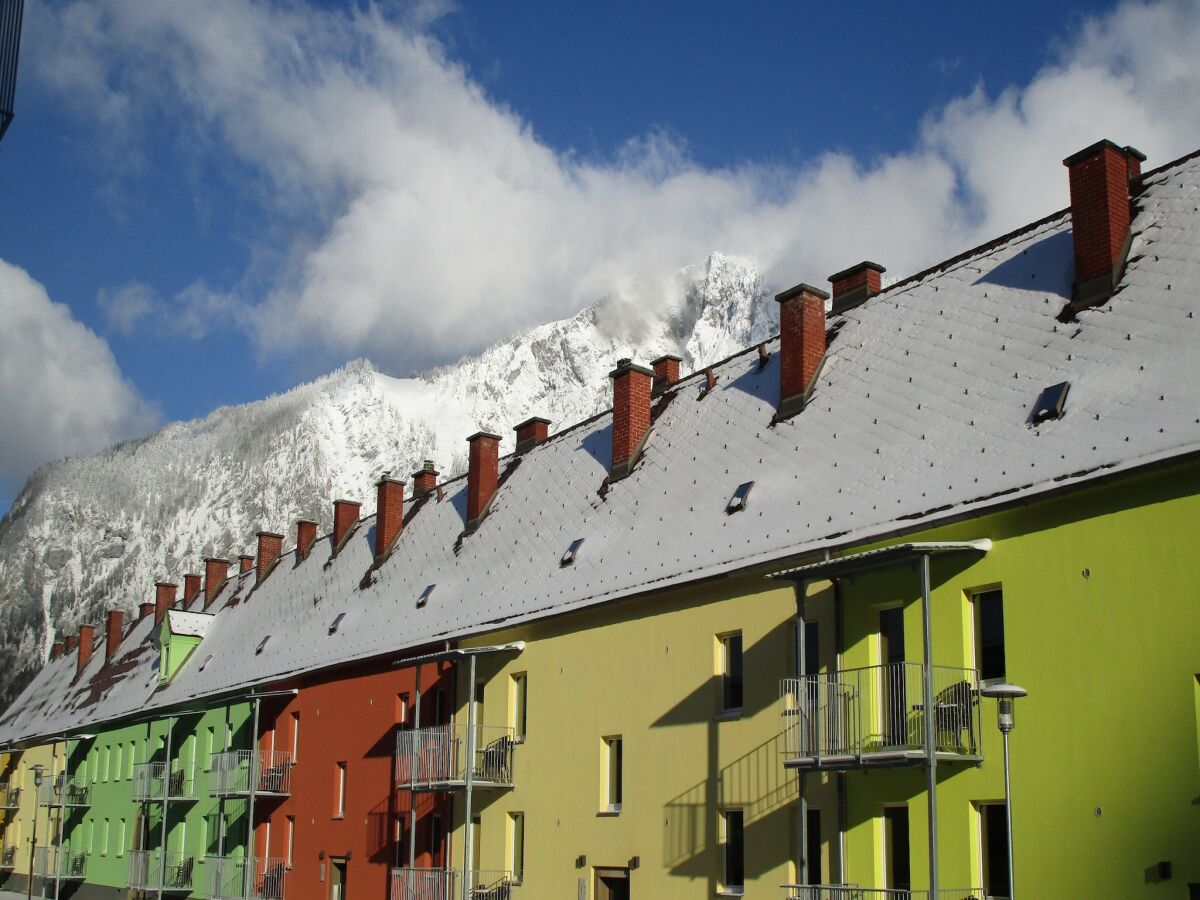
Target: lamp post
{"points": [[37, 799], [1005, 695]]}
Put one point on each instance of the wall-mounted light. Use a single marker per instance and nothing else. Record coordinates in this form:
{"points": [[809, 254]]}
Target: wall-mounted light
{"points": [[634, 862], [580, 861]]}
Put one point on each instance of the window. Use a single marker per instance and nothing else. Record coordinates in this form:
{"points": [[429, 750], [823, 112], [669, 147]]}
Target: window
{"points": [[517, 862], [295, 737], [519, 689], [812, 843], [614, 762], [104, 838], [339, 796], [989, 635], [401, 714], [731, 672], [993, 839], [121, 837], [436, 841], [896, 848], [117, 768], [439, 707], [733, 850], [291, 840]]}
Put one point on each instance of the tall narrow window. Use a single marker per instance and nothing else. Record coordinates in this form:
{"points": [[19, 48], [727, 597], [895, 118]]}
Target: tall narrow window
{"points": [[989, 635], [520, 693], [121, 838], [117, 767], [517, 862], [295, 737], [104, 838], [993, 836], [339, 796], [614, 764], [812, 845], [291, 840], [731, 672], [478, 698], [896, 848], [734, 849], [437, 837], [439, 707], [401, 712], [476, 842]]}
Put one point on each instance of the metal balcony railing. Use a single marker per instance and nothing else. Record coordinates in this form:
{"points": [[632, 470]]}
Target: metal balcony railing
{"points": [[444, 884], [10, 796], [875, 715], [436, 758], [851, 892], [176, 870], [69, 865], [154, 781], [227, 876], [76, 793], [235, 772], [8, 856], [491, 885]]}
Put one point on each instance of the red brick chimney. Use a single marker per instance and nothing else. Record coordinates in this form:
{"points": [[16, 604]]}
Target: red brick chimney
{"points": [[389, 513], [164, 598], [270, 545], [87, 635], [801, 345], [853, 286], [56, 650], [191, 588], [532, 432], [345, 516], [245, 563], [424, 479], [72, 643], [483, 474], [145, 609], [1100, 176], [306, 534], [631, 414], [666, 373], [216, 570], [113, 630]]}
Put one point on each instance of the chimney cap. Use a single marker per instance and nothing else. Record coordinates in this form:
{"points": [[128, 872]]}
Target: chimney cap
{"points": [[801, 288], [273, 534], [483, 434], [388, 478], [855, 269], [216, 559], [1095, 148], [665, 357], [165, 584], [349, 502], [624, 366], [307, 522], [532, 420]]}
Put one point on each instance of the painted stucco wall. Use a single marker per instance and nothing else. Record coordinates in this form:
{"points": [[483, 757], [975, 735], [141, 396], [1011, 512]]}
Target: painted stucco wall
{"points": [[17, 825]]}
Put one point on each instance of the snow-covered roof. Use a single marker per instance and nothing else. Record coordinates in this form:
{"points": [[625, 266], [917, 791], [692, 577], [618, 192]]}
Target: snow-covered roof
{"points": [[922, 412], [188, 624]]}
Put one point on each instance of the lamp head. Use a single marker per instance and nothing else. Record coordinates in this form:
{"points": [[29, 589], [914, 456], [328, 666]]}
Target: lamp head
{"points": [[37, 774], [1005, 693]]}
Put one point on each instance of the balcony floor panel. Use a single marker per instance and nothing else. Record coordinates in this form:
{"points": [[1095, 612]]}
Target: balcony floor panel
{"points": [[880, 759]]}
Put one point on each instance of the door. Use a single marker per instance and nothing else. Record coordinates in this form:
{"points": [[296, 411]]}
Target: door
{"points": [[612, 884], [895, 848], [337, 879], [893, 697]]}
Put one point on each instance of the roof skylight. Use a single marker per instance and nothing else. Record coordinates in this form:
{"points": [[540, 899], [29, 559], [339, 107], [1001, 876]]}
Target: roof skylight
{"points": [[337, 620], [738, 501], [569, 557], [262, 645], [1051, 402], [424, 598], [207, 660]]}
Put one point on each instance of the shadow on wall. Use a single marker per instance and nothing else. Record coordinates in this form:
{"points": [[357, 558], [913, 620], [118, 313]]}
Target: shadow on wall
{"points": [[756, 783]]}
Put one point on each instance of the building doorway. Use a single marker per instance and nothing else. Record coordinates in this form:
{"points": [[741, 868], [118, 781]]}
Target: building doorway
{"points": [[892, 677], [612, 884], [896, 848], [337, 879]]}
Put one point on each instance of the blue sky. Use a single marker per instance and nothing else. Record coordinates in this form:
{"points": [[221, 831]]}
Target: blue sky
{"points": [[232, 197]]}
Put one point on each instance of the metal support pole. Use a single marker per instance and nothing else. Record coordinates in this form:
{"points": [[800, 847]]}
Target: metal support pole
{"points": [[802, 722], [412, 795], [930, 725], [252, 789], [468, 843], [166, 805], [37, 790], [1012, 891], [62, 806]]}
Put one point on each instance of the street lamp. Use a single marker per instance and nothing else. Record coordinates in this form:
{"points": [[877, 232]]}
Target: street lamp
{"points": [[37, 791], [1005, 695]]}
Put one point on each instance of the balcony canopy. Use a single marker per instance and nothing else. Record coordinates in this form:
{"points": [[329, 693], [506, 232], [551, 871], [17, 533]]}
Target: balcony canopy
{"points": [[880, 558]]}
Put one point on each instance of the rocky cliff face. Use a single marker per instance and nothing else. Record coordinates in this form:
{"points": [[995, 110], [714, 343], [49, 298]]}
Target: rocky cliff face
{"points": [[89, 534]]}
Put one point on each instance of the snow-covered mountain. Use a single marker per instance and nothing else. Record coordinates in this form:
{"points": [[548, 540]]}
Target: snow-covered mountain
{"points": [[89, 534]]}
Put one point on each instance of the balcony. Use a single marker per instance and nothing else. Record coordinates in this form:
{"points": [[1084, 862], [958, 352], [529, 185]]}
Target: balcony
{"points": [[71, 864], [8, 856], [443, 884], [435, 759], [10, 796], [153, 781], [237, 772], [227, 878], [148, 867], [850, 892], [875, 716], [77, 795]]}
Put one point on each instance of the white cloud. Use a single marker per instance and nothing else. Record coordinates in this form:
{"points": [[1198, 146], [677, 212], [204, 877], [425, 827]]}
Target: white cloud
{"points": [[443, 223], [126, 307], [61, 392]]}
